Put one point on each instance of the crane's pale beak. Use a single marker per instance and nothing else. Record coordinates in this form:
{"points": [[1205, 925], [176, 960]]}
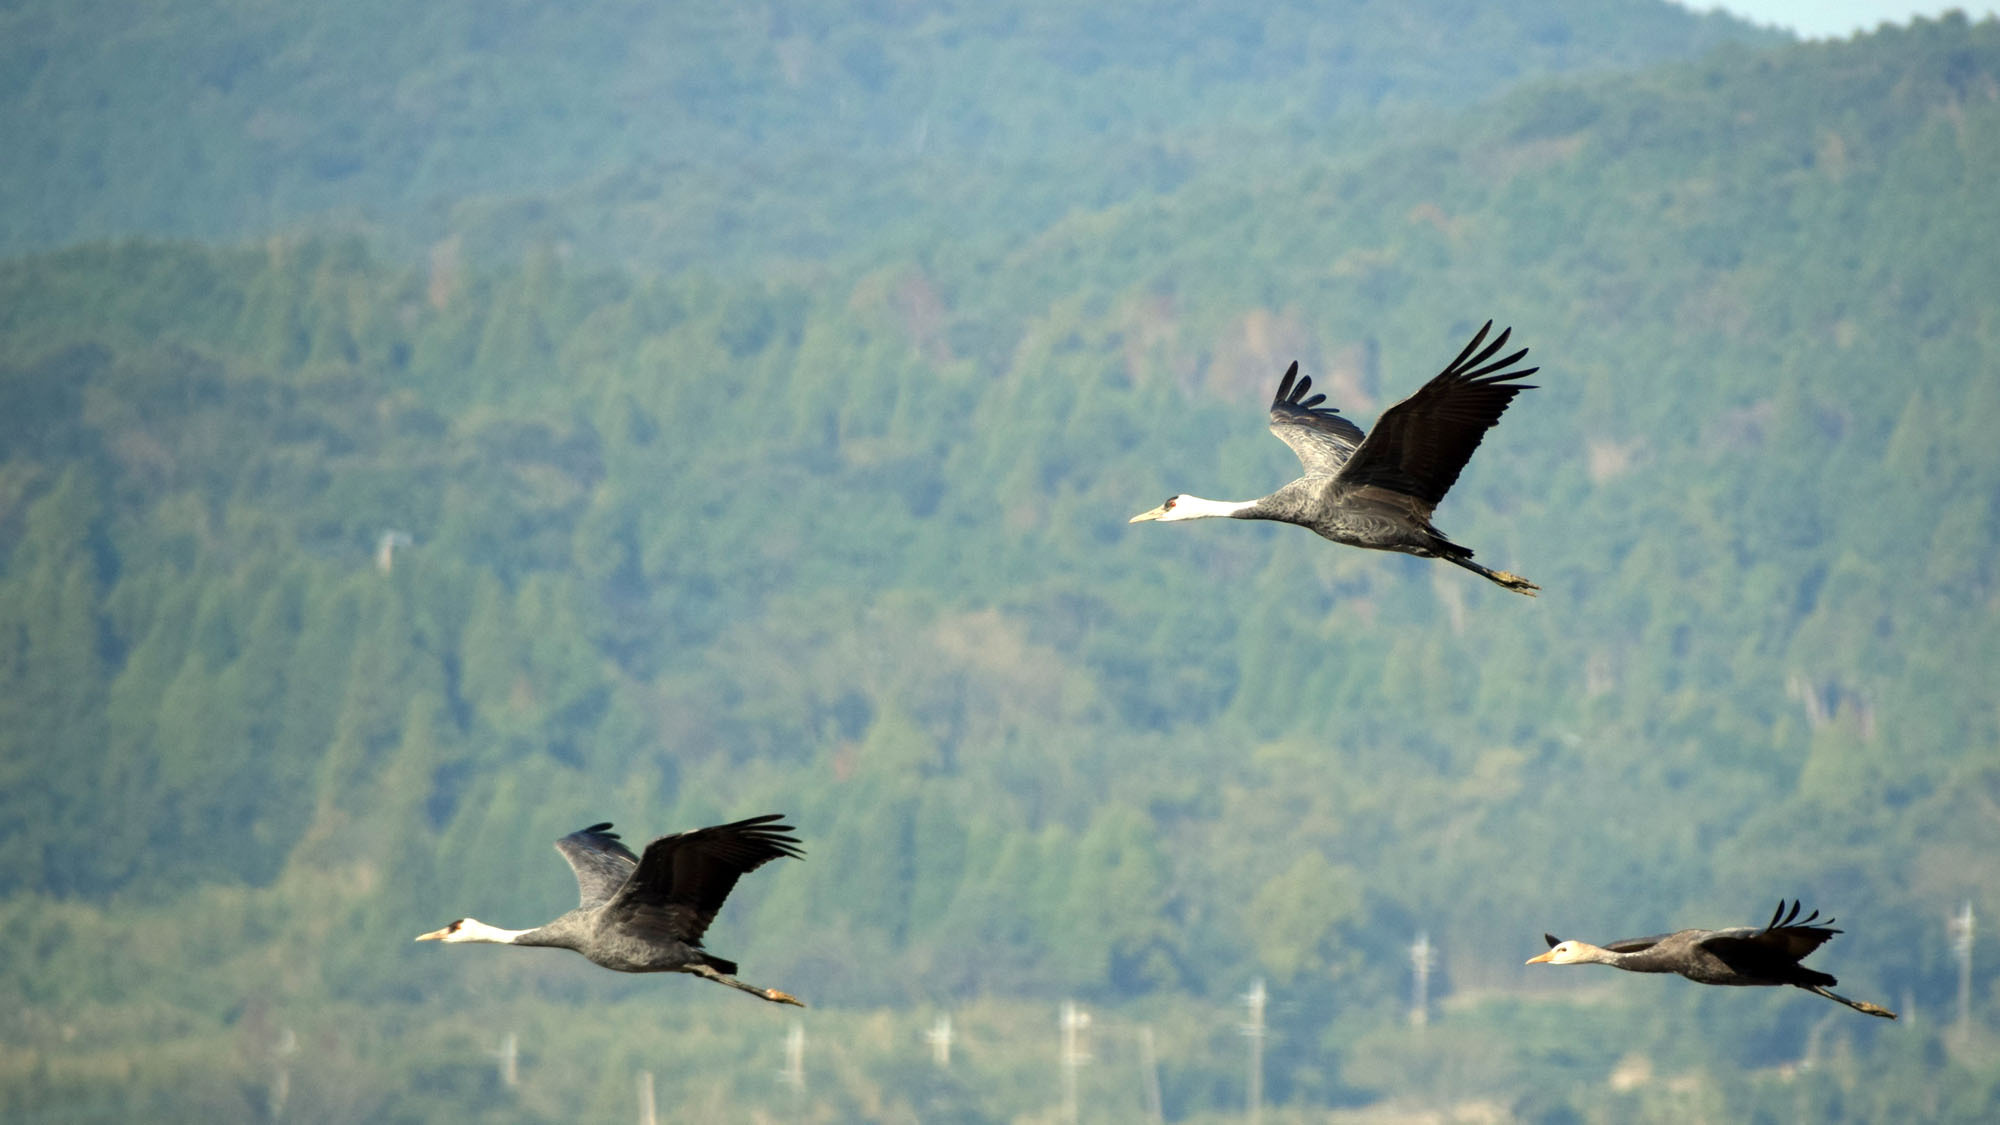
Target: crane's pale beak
{"points": [[1549, 956], [434, 935], [1143, 517]]}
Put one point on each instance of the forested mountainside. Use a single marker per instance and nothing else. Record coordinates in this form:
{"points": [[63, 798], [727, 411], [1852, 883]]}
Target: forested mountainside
{"points": [[718, 132], [851, 545]]}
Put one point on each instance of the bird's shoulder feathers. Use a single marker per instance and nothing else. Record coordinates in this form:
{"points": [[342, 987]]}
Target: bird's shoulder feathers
{"points": [[600, 860]]}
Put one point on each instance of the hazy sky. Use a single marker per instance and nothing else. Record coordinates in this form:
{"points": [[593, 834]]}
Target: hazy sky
{"points": [[1819, 19]]}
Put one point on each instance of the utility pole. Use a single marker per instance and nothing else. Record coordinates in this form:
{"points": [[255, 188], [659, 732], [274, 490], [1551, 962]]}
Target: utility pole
{"points": [[1255, 1030], [281, 1082], [794, 1073], [1810, 1058], [1149, 1066], [939, 1037], [1422, 957], [385, 549], [1961, 949], [509, 1055], [1073, 1021], [648, 1111]]}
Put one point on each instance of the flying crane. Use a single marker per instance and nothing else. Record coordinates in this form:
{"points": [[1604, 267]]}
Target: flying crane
{"points": [[1744, 955], [647, 915], [1377, 490]]}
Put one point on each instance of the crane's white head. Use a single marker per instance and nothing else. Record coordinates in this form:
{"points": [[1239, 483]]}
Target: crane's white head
{"points": [[472, 929], [1566, 952], [1184, 507]]}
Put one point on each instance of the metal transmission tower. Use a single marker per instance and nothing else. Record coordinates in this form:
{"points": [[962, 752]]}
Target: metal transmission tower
{"points": [[1423, 955], [1073, 1020], [1255, 999]]}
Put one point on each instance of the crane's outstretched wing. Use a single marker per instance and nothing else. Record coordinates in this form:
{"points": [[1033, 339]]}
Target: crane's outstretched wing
{"points": [[1786, 939], [1318, 434], [682, 879], [1422, 442], [600, 861]]}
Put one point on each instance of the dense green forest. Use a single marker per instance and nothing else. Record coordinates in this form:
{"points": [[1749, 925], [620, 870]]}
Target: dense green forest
{"points": [[718, 132], [845, 537]]}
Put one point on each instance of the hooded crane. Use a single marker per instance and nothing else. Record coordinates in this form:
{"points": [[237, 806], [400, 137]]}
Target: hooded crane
{"points": [[1743, 955], [647, 915], [1378, 491]]}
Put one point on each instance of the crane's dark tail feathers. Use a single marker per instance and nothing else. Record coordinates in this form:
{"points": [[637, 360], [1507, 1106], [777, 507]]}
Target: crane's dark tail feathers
{"points": [[711, 969], [1858, 1005], [1512, 582]]}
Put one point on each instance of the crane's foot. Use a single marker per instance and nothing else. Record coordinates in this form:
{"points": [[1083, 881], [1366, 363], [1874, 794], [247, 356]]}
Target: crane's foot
{"points": [[1862, 1006], [1515, 583], [774, 995]]}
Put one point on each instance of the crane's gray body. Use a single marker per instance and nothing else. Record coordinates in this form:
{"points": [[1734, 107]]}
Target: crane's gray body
{"points": [[588, 932], [1366, 517]]}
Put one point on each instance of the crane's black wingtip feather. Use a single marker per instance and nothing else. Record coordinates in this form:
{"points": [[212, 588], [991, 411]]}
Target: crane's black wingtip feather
{"points": [[769, 830], [1284, 394], [1552, 939], [1292, 396], [752, 821]]}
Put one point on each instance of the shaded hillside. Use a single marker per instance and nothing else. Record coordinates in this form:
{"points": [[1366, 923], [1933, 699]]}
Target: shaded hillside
{"points": [[854, 547], [712, 131]]}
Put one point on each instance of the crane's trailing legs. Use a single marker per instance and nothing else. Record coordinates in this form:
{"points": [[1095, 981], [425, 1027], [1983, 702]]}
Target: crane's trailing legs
{"points": [[1862, 1006], [1511, 581], [770, 994]]}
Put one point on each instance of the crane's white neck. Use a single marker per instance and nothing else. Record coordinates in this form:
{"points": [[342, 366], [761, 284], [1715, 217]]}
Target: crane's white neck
{"points": [[1195, 508], [1574, 952], [472, 929]]}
